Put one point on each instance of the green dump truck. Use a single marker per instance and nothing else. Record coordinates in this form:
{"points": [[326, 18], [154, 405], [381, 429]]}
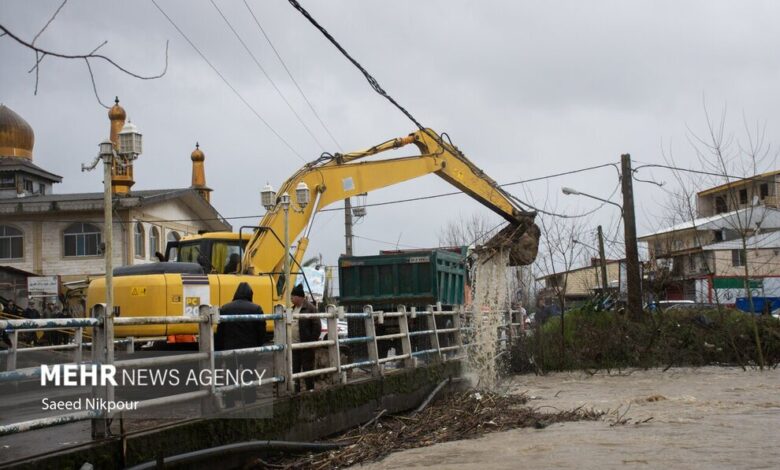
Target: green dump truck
{"points": [[413, 278]]}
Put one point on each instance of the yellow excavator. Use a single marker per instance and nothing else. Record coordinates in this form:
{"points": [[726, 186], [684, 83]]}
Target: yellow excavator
{"points": [[178, 288]]}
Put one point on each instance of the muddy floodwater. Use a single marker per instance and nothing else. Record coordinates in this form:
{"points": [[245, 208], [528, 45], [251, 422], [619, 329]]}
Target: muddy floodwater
{"points": [[703, 418]]}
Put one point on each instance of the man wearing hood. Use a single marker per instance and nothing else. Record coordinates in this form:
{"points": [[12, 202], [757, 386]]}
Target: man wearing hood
{"points": [[309, 329], [241, 335]]}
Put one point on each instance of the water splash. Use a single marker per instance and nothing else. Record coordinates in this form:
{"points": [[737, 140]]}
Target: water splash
{"points": [[490, 300]]}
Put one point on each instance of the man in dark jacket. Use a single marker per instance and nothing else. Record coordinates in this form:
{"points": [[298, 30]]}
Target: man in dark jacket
{"points": [[240, 335], [309, 329]]}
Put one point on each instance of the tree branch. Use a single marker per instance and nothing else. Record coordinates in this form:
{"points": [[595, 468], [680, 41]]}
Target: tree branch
{"points": [[87, 56], [41, 53]]}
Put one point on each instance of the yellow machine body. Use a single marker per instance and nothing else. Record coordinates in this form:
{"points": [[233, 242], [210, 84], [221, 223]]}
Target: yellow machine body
{"points": [[330, 179]]}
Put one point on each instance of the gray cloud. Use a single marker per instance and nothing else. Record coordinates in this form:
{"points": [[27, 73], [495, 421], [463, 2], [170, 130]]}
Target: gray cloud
{"points": [[525, 88]]}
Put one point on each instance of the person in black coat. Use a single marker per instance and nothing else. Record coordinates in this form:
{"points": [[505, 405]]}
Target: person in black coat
{"points": [[309, 329], [241, 335]]}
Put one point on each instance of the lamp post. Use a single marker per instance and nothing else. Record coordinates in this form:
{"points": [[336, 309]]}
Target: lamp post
{"points": [[129, 149], [284, 201], [270, 203]]}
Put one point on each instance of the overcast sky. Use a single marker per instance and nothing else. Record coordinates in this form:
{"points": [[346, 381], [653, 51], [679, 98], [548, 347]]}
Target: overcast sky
{"points": [[525, 89]]}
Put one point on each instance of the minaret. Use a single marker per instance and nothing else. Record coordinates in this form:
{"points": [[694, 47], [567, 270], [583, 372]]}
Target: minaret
{"points": [[199, 173], [121, 176]]}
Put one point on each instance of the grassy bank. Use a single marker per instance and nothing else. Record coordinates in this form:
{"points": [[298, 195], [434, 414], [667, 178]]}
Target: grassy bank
{"points": [[605, 340]]}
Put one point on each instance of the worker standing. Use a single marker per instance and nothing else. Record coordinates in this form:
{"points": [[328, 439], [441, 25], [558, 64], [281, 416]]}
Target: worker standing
{"points": [[241, 335], [309, 329]]}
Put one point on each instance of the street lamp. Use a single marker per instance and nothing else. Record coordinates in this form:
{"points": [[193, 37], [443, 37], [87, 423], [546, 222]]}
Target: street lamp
{"points": [[130, 141], [569, 191], [130, 145], [302, 199], [268, 197], [574, 192], [302, 194]]}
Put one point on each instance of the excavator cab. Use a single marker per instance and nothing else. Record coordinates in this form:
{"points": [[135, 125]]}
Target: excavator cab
{"points": [[216, 252]]}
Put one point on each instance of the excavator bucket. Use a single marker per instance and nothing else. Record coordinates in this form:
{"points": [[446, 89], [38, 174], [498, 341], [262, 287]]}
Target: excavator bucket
{"points": [[521, 240]]}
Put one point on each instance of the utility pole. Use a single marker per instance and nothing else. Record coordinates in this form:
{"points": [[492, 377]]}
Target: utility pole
{"points": [[633, 277], [603, 261], [348, 225]]}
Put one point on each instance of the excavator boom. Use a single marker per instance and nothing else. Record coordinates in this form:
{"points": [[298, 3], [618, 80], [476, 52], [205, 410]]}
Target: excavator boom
{"points": [[336, 178], [150, 290]]}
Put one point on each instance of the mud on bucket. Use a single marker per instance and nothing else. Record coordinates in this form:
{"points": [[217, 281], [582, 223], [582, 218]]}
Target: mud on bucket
{"points": [[522, 241]]}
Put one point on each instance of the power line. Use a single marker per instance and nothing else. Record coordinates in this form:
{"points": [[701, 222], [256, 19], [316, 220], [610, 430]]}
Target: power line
{"points": [[371, 80], [376, 204], [698, 172], [289, 73], [387, 243], [262, 69], [225, 80]]}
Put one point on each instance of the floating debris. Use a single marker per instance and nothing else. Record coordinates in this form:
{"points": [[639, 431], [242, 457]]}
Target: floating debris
{"points": [[463, 415]]}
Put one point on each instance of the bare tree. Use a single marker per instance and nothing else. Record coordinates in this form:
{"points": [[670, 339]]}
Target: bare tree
{"points": [[471, 230], [559, 252], [736, 162], [41, 54]]}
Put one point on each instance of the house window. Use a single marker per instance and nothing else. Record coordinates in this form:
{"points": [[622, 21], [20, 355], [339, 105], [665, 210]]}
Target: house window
{"points": [[743, 196], [42, 189], [139, 240], [154, 240], [82, 240], [7, 182], [11, 243], [720, 205], [173, 237], [738, 257], [763, 190], [28, 185]]}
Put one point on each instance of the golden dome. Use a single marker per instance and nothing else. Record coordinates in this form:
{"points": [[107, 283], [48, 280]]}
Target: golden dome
{"points": [[117, 113], [16, 136], [197, 154]]}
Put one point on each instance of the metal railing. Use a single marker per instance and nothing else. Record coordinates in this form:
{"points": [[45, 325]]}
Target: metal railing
{"points": [[281, 349]]}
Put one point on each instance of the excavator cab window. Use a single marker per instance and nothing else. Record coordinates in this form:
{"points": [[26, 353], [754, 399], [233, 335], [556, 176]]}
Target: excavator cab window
{"points": [[188, 252], [216, 256], [225, 256]]}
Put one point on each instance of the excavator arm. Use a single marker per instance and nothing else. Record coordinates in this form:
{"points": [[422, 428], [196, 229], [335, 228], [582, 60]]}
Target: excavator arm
{"points": [[336, 178]]}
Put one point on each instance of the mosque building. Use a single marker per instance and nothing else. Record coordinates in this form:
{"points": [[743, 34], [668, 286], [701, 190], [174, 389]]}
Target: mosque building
{"points": [[43, 233]]}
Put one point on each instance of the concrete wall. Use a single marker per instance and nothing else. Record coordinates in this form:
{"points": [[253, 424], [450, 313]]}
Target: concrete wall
{"points": [[765, 262]]}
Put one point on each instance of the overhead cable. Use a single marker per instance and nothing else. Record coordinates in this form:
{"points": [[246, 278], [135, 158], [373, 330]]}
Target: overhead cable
{"points": [[229, 85], [262, 69], [292, 78]]}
